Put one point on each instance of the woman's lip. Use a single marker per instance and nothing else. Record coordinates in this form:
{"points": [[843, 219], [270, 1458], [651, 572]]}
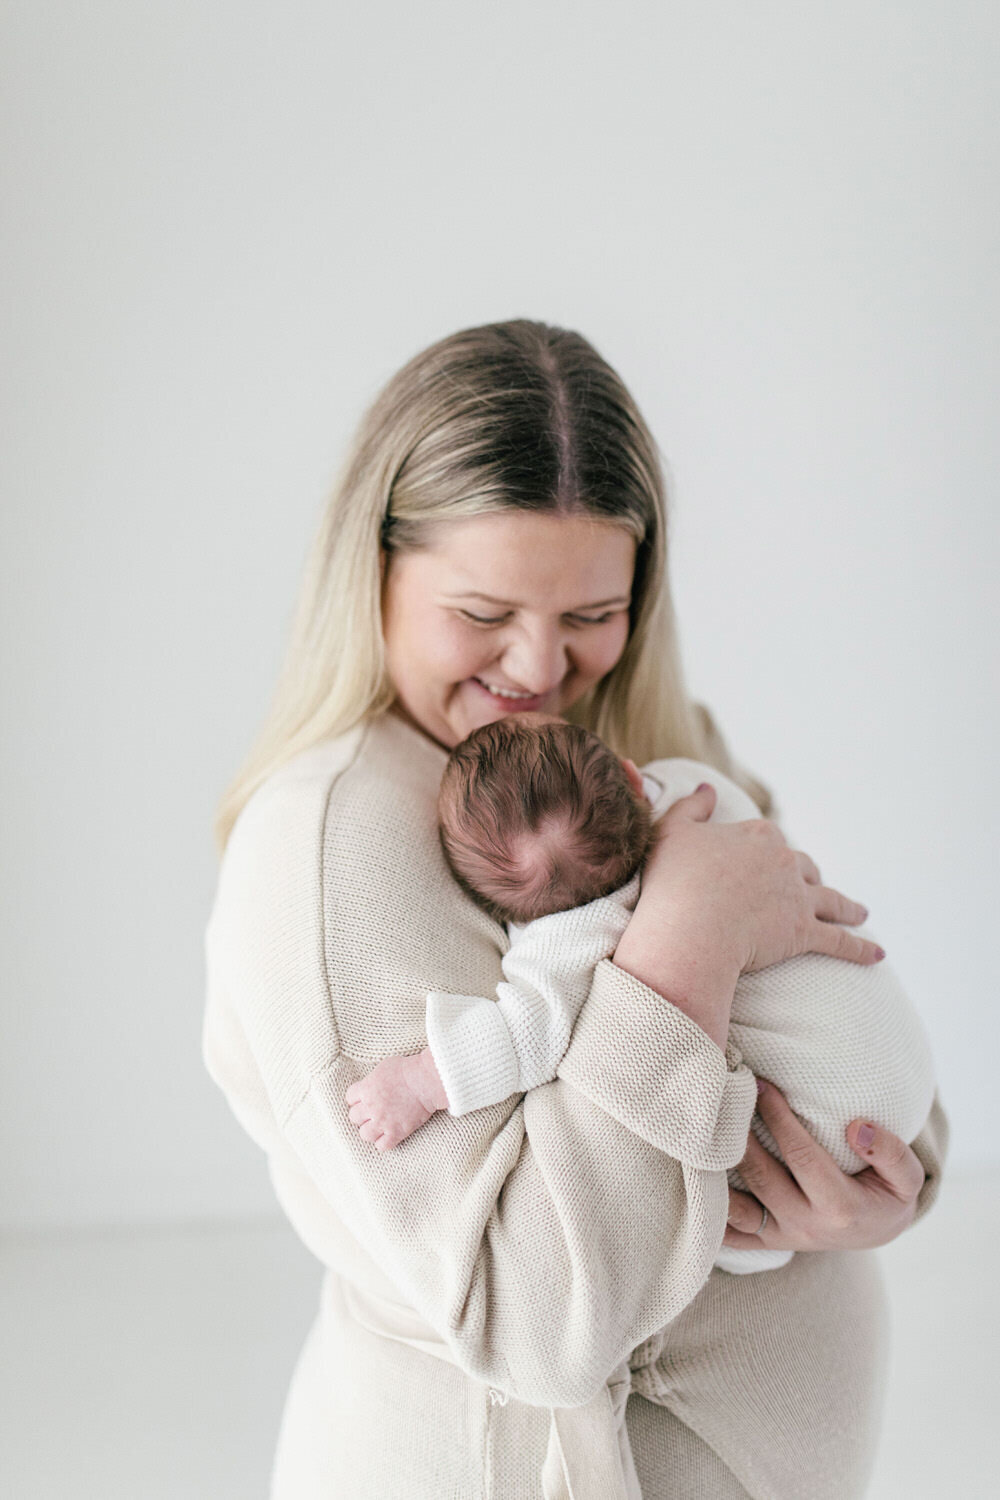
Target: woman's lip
{"points": [[524, 704]]}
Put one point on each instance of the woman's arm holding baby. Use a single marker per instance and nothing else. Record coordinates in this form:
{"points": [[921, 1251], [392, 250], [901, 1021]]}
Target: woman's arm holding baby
{"points": [[481, 1051], [813, 1205]]}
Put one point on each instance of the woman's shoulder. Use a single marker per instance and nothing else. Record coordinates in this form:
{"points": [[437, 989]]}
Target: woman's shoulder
{"points": [[263, 940], [380, 833], [334, 910], [361, 780], [272, 861], [347, 828], [292, 798], [390, 788]]}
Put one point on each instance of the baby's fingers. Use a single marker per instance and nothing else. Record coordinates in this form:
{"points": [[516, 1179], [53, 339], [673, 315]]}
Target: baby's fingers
{"points": [[357, 1090], [363, 1089]]}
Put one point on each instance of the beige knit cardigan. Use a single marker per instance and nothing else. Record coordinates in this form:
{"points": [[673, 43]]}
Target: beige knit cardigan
{"points": [[539, 1242]]}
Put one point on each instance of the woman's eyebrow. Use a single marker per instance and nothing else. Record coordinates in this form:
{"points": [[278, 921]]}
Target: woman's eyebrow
{"points": [[512, 603]]}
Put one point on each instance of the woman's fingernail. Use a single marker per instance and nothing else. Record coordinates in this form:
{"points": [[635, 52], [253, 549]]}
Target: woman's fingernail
{"points": [[761, 1085], [879, 954], [703, 786], [865, 1136]]}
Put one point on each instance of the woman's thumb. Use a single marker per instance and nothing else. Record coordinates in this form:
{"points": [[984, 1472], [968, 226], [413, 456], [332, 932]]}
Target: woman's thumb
{"points": [[697, 806], [889, 1157]]}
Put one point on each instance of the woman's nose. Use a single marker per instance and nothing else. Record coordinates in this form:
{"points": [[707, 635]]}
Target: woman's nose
{"points": [[536, 661]]}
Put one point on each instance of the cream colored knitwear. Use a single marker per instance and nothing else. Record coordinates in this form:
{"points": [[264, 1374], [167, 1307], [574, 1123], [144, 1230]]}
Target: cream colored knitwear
{"points": [[543, 1240], [839, 1040]]}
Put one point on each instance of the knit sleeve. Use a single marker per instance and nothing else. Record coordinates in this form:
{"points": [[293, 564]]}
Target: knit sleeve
{"points": [[485, 1050], [931, 1150], [544, 1237]]}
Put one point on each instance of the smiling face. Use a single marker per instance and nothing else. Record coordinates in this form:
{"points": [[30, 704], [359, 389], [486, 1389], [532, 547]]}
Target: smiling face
{"points": [[533, 603]]}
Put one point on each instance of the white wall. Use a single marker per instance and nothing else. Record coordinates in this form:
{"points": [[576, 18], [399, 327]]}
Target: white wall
{"points": [[232, 222]]}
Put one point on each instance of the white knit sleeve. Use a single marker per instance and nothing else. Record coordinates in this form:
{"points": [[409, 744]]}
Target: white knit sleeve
{"points": [[486, 1050]]}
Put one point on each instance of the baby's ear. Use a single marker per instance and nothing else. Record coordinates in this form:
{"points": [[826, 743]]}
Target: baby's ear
{"points": [[634, 777]]}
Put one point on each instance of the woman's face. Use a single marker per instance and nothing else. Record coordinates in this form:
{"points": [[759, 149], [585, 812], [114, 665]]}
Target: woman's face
{"points": [[533, 603]]}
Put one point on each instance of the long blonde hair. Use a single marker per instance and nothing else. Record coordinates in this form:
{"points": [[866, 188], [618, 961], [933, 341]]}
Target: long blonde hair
{"points": [[515, 415]]}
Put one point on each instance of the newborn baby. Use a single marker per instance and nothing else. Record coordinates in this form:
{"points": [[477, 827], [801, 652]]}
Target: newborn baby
{"points": [[547, 830]]}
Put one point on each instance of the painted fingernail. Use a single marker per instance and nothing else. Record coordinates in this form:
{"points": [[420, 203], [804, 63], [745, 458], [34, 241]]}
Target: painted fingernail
{"points": [[703, 786], [879, 954], [761, 1085], [865, 1136]]}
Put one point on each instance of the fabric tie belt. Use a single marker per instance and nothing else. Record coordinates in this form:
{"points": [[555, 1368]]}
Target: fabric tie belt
{"points": [[588, 1455]]}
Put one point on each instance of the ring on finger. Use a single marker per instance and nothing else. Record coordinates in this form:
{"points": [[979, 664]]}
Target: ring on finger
{"points": [[763, 1221]]}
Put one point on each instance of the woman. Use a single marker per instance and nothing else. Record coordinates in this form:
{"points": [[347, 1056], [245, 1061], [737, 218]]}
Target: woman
{"points": [[497, 540]]}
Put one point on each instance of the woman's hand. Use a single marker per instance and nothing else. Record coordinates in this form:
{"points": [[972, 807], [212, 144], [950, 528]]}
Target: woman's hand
{"points": [[811, 1204], [742, 883], [722, 899]]}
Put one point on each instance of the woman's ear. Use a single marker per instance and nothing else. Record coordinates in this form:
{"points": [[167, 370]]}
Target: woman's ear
{"points": [[634, 777]]}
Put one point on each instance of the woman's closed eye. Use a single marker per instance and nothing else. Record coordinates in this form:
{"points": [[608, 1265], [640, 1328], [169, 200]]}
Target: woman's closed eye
{"points": [[576, 619]]}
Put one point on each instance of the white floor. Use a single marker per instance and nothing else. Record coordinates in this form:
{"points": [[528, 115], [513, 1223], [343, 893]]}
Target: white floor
{"points": [[152, 1365]]}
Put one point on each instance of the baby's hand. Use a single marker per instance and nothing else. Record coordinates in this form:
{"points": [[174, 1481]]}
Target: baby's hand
{"points": [[396, 1098]]}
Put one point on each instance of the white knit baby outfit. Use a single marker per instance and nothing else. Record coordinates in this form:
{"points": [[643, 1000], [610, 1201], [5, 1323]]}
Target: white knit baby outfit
{"points": [[840, 1040]]}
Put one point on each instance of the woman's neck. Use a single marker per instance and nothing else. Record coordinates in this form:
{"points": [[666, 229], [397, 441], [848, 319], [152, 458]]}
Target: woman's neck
{"points": [[398, 711]]}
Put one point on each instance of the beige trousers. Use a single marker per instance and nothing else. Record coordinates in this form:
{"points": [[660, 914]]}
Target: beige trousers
{"points": [[767, 1386]]}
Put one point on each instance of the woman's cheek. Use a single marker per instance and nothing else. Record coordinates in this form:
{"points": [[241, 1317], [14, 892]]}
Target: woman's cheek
{"points": [[611, 648], [460, 655]]}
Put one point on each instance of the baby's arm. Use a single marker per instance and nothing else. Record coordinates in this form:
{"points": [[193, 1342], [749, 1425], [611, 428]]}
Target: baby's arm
{"points": [[481, 1051], [486, 1050]]}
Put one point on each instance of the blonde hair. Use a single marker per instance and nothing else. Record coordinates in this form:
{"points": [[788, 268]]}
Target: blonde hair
{"points": [[516, 415]]}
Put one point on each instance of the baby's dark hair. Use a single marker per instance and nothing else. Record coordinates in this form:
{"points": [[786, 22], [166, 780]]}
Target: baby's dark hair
{"points": [[537, 815]]}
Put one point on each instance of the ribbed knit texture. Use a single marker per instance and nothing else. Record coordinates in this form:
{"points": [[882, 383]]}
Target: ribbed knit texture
{"points": [[839, 1040], [544, 1238], [485, 1049]]}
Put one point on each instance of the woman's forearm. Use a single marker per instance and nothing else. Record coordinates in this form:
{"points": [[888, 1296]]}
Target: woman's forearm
{"points": [[701, 984]]}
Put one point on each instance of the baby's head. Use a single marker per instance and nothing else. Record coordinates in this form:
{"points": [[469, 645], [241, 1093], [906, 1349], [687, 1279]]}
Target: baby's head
{"points": [[537, 815]]}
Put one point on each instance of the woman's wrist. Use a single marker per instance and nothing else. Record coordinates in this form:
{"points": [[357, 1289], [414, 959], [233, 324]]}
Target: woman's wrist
{"points": [[701, 984]]}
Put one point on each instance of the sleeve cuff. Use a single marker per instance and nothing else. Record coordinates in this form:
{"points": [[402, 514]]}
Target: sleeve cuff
{"points": [[647, 1064], [472, 1050], [931, 1150]]}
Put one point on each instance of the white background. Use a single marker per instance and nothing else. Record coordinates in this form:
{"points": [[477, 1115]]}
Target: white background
{"points": [[228, 224]]}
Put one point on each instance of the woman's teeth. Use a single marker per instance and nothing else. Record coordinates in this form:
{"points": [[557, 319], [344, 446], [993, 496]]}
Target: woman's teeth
{"points": [[503, 692]]}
